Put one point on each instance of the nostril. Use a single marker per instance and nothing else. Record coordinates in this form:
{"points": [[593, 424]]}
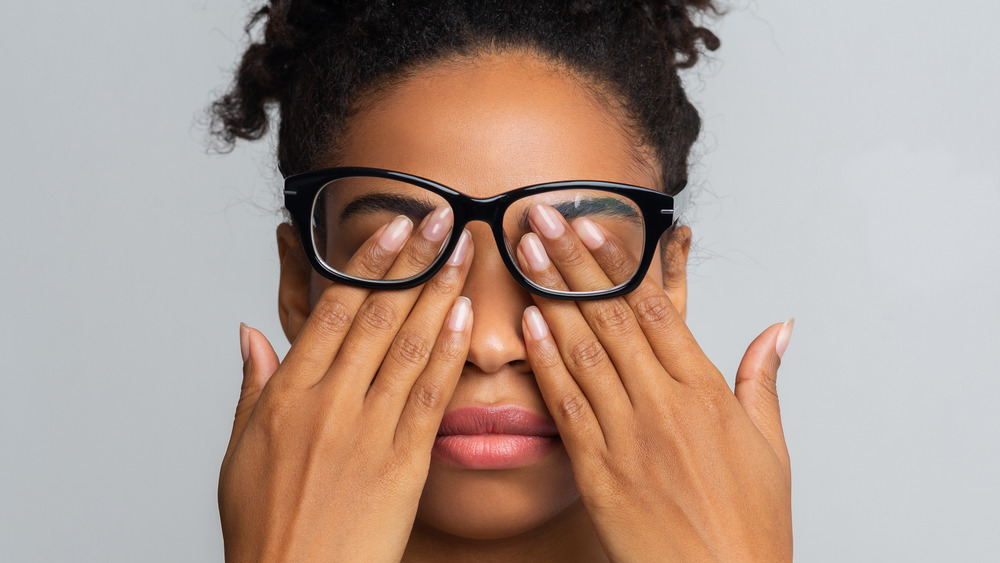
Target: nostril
{"points": [[520, 366]]}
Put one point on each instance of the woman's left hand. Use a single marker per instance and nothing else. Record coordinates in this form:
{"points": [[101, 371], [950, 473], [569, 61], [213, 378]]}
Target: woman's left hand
{"points": [[670, 463]]}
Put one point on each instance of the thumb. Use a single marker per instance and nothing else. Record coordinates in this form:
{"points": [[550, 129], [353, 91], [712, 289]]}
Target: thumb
{"points": [[756, 385], [259, 363]]}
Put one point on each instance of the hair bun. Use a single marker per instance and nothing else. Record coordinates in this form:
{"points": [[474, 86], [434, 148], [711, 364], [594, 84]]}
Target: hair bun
{"points": [[313, 58]]}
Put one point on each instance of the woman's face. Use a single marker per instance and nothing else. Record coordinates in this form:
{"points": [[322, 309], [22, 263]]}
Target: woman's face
{"points": [[485, 126]]}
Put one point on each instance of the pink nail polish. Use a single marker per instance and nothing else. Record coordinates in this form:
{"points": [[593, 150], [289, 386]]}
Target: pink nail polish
{"points": [[784, 335], [461, 311], [461, 250], [589, 233], [534, 252], [536, 324], [438, 224], [396, 233], [245, 341], [546, 221]]}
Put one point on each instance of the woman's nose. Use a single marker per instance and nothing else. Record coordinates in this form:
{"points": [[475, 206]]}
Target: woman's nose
{"points": [[497, 305]]}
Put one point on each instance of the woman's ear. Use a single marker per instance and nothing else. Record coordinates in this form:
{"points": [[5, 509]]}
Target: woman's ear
{"points": [[293, 287], [675, 258]]}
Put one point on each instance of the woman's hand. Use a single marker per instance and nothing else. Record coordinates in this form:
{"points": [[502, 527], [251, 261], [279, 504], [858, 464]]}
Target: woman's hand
{"points": [[671, 464], [331, 448]]}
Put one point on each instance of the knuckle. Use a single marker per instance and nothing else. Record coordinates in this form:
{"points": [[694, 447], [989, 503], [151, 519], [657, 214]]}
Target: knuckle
{"points": [[446, 282], [585, 354], [422, 252], [617, 263], [332, 314], [767, 383], [411, 349], [654, 310], [611, 317], [573, 408], [377, 315], [546, 357], [275, 411], [372, 261], [452, 349], [570, 253], [428, 396]]}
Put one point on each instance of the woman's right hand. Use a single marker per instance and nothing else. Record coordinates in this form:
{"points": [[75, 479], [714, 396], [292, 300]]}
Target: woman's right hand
{"points": [[330, 449]]}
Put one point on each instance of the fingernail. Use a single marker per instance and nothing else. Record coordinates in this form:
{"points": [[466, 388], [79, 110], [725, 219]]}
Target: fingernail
{"points": [[536, 324], [460, 313], [534, 252], [784, 336], [245, 341], [461, 250], [438, 224], [588, 233], [546, 221], [396, 233]]}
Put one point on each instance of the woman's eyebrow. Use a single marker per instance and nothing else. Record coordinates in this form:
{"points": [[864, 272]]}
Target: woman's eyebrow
{"points": [[592, 207], [381, 202]]}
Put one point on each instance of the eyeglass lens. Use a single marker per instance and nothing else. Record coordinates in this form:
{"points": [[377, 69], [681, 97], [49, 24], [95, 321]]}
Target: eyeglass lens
{"points": [[359, 214]]}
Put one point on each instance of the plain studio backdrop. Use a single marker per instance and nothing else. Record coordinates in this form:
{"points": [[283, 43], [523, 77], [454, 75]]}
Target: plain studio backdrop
{"points": [[848, 175]]}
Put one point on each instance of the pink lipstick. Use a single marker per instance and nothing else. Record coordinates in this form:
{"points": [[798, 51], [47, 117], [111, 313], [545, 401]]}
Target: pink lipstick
{"points": [[500, 437]]}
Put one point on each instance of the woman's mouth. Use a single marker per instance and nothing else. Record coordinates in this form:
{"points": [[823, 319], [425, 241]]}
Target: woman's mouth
{"points": [[502, 437]]}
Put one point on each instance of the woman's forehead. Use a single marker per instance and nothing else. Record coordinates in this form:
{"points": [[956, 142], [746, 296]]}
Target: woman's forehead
{"points": [[494, 124]]}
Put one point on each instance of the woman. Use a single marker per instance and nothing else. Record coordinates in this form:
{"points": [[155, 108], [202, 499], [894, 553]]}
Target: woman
{"points": [[481, 372]]}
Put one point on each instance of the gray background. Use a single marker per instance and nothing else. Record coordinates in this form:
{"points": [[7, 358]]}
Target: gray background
{"points": [[848, 177]]}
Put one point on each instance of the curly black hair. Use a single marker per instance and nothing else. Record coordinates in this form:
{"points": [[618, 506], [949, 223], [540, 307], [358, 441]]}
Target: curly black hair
{"points": [[318, 58]]}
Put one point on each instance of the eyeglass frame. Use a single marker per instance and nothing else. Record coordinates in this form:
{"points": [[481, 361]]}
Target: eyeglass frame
{"points": [[659, 211]]}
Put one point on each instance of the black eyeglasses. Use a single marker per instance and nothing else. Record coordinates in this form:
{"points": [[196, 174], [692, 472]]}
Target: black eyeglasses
{"points": [[336, 210]]}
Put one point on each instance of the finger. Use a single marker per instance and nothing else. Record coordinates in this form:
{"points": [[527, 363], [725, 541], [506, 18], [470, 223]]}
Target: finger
{"points": [[411, 349], [383, 313], [259, 363], [582, 353], [578, 268], [610, 322], [536, 265], [668, 335], [432, 391], [578, 424], [613, 256], [662, 327], [322, 336], [613, 321], [421, 250], [756, 385]]}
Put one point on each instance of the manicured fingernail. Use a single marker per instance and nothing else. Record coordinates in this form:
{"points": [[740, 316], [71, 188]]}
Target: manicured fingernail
{"points": [[588, 233], [438, 224], [396, 233], [784, 336], [461, 311], [534, 252], [245, 341], [536, 324], [546, 221], [461, 250]]}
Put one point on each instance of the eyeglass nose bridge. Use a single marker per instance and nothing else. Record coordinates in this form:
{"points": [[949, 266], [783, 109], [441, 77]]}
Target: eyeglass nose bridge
{"points": [[489, 210]]}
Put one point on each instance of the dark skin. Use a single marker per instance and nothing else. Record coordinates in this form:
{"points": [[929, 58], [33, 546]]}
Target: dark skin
{"points": [[660, 459]]}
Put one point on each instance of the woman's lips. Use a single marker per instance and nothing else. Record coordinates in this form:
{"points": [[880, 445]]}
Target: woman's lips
{"points": [[494, 437]]}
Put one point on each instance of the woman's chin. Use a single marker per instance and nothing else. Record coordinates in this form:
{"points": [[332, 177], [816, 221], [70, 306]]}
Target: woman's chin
{"points": [[492, 504]]}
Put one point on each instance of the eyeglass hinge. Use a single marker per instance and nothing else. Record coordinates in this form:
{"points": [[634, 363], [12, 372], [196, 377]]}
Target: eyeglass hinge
{"points": [[662, 211], [290, 192]]}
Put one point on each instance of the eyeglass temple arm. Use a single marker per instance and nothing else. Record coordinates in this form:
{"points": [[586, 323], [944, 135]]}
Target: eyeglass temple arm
{"points": [[681, 201]]}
